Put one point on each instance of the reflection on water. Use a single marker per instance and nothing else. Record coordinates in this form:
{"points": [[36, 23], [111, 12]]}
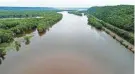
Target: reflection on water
{"points": [[17, 45], [2, 57], [26, 32], [5, 47], [27, 40], [41, 33], [44, 32], [19, 40]]}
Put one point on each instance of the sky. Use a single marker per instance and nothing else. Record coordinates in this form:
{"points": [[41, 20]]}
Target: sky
{"points": [[63, 3]]}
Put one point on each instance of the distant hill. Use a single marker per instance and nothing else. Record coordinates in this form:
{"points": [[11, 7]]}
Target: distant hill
{"points": [[26, 8], [121, 16], [38, 8], [66, 8]]}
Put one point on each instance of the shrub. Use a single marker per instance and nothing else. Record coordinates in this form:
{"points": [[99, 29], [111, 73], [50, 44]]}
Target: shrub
{"points": [[94, 22]]}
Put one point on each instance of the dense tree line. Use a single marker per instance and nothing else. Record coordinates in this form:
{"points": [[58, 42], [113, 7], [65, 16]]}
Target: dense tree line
{"points": [[9, 28], [46, 23], [125, 34], [21, 14], [14, 23], [121, 16], [120, 19], [100, 24], [26, 8], [5, 36], [75, 12]]}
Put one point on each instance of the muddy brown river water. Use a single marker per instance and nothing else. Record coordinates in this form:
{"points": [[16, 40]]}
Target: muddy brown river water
{"points": [[70, 47]]}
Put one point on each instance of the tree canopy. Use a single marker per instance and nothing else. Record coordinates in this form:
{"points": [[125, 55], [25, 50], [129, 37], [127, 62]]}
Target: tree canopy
{"points": [[121, 16], [9, 28]]}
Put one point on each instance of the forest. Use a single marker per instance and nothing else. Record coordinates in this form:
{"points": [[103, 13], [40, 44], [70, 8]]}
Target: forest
{"points": [[10, 28], [22, 14], [119, 19], [121, 16], [14, 8]]}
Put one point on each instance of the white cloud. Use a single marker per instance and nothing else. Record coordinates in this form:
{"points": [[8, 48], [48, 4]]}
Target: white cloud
{"points": [[64, 3]]}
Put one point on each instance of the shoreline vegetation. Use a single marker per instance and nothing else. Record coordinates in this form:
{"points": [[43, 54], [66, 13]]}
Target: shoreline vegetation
{"points": [[121, 33], [11, 28], [75, 12], [101, 25]]}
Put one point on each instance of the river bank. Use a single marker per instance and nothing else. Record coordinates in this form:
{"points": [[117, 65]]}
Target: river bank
{"points": [[75, 13], [10, 28], [99, 24], [119, 39]]}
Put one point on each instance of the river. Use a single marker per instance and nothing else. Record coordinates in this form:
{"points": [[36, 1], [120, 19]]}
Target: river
{"points": [[71, 46]]}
